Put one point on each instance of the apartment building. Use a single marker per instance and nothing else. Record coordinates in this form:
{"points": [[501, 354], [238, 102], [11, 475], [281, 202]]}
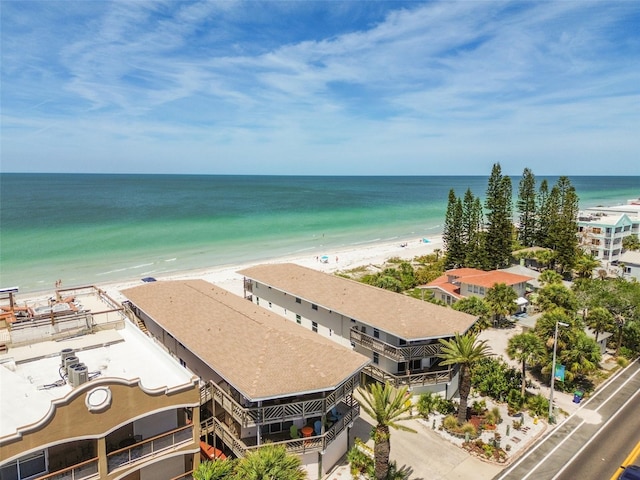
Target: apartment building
{"points": [[602, 229], [86, 395], [265, 379], [399, 334]]}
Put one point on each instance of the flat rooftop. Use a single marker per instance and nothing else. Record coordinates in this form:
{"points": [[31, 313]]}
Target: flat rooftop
{"points": [[398, 314], [28, 373], [261, 354]]}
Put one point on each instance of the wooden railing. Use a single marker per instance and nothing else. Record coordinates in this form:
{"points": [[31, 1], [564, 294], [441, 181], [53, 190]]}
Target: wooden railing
{"points": [[298, 445], [252, 415], [149, 447], [398, 354], [412, 380], [80, 471]]}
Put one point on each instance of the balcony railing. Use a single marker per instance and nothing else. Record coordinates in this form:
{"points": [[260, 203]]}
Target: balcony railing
{"points": [[81, 471], [250, 415], [413, 380], [149, 447], [398, 354], [315, 443]]}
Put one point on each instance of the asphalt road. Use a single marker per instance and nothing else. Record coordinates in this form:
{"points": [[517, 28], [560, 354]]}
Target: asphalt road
{"points": [[593, 442]]}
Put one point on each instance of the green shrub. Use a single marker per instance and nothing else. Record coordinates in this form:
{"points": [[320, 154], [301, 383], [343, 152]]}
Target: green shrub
{"points": [[446, 407], [427, 403], [450, 422], [469, 428], [538, 405]]}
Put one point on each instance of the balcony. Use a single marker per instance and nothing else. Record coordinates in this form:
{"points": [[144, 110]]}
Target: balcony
{"points": [[282, 410], [81, 471], [398, 354], [149, 447], [317, 443], [419, 379]]}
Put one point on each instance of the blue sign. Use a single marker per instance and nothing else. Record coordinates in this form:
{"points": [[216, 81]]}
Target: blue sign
{"points": [[559, 373]]}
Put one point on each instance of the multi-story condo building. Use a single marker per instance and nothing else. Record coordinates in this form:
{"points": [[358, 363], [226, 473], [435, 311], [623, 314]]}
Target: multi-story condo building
{"points": [[602, 229], [398, 333], [470, 282], [265, 379], [86, 395]]}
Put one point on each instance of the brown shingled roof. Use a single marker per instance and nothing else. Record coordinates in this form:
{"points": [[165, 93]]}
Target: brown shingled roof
{"points": [[400, 315], [261, 354]]}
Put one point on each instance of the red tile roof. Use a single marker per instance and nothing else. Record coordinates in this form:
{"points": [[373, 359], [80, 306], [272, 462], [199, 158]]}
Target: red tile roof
{"points": [[481, 278]]}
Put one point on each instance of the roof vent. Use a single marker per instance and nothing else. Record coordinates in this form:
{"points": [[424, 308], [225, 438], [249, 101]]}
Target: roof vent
{"points": [[78, 374]]}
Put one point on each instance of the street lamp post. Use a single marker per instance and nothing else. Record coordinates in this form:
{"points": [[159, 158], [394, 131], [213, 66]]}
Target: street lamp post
{"points": [[553, 370]]}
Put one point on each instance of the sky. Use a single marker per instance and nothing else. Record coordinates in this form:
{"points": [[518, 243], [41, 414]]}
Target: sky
{"points": [[320, 88]]}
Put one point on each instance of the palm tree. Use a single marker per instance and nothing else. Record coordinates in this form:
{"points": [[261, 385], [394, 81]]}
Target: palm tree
{"points": [[582, 355], [585, 265], [477, 307], [526, 347], [549, 276], [501, 299], [387, 406], [216, 470], [463, 350], [600, 320], [270, 462]]}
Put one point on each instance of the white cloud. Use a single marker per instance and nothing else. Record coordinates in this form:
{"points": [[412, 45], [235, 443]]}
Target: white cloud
{"points": [[466, 82]]}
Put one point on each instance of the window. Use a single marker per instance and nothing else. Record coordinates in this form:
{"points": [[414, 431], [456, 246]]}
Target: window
{"points": [[269, 304], [416, 364], [257, 300], [314, 306], [402, 341], [469, 288], [314, 326], [475, 289], [402, 367], [298, 320], [26, 467], [353, 321], [363, 329], [298, 300], [481, 290], [330, 332], [376, 358], [376, 333]]}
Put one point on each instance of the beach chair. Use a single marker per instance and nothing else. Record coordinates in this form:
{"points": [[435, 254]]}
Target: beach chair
{"points": [[317, 427], [293, 431]]}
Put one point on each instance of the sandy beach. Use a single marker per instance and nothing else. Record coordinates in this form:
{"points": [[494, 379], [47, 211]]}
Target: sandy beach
{"points": [[227, 277]]}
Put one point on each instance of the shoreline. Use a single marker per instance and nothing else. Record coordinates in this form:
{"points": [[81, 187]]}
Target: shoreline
{"points": [[226, 276]]}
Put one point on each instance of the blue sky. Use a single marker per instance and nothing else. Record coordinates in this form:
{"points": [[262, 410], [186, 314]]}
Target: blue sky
{"points": [[340, 88]]}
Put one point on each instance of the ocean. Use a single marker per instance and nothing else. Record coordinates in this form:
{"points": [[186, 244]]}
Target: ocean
{"points": [[93, 229]]}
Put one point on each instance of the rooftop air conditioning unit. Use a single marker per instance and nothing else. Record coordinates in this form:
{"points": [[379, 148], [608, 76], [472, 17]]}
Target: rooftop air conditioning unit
{"points": [[67, 352], [72, 360], [78, 374]]}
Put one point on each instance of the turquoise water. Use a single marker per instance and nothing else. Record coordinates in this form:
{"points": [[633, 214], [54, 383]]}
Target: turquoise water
{"points": [[87, 229]]}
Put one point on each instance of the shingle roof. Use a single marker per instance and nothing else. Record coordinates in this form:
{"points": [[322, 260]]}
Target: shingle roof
{"points": [[403, 316], [261, 354]]}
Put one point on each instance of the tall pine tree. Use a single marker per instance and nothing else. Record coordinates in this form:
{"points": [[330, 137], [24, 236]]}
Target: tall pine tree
{"points": [[563, 229], [452, 235], [498, 203], [543, 216], [473, 231], [526, 206]]}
